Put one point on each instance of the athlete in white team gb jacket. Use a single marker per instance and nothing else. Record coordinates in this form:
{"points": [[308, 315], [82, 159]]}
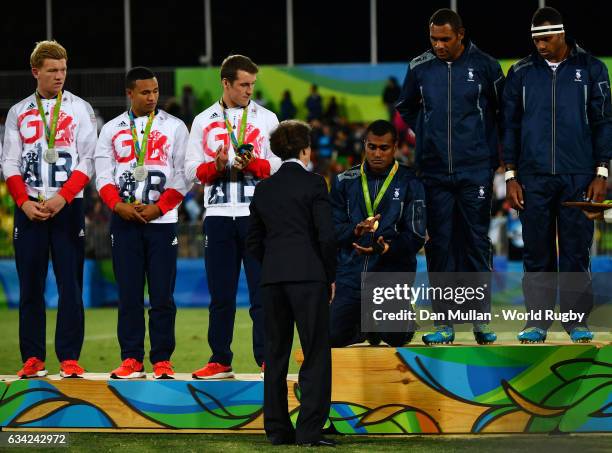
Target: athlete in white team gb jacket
{"points": [[229, 153], [140, 159], [49, 142]]}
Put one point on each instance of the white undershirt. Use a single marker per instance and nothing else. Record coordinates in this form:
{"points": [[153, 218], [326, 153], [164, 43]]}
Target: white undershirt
{"points": [[552, 65], [296, 161]]}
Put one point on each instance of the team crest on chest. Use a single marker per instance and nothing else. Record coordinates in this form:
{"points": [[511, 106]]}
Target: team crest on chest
{"points": [[481, 192], [578, 76], [470, 75]]}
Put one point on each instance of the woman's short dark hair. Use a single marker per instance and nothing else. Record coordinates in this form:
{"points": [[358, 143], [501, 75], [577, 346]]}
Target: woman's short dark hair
{"points": [[289, 138]]}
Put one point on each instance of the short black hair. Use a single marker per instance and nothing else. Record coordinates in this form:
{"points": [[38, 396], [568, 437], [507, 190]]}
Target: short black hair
{"points": [[289, 139], [234, 63], [137, 73], [380, 128], [546, 14], [447, 16]]}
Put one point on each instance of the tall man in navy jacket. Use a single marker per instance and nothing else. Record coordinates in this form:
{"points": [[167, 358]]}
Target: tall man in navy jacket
{"points": [[557, 146], [451, 99], [397, 202]]}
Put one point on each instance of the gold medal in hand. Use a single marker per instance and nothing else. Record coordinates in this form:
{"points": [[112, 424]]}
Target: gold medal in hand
{"points": [[375, 225]]}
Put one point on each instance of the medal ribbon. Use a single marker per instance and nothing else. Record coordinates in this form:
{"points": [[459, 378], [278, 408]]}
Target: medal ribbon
{"points": [[140, 148], [366, 191], [236, 142], [50, 131]]}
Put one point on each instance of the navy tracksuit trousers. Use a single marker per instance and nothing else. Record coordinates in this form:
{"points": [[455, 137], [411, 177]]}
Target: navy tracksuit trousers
{"points": [[345, 321], [64, 236], [458, 217], [225, 251], [544, 219], [140, 251]]}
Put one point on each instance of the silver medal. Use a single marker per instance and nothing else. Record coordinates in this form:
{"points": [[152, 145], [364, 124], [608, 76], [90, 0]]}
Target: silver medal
{"points": [[51, 155], [140, 173]]}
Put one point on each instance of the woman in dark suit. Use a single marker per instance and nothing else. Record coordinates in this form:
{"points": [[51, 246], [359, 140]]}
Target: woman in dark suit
{"points": [[291, 233]]}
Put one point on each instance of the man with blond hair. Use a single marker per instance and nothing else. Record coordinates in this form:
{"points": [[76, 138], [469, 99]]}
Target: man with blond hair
{"points": [[47, 161]]}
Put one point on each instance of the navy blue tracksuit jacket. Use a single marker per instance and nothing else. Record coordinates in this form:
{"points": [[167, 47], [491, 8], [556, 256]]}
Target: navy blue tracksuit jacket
{"points": [[557, 128], [454, 109], [402, 224]]}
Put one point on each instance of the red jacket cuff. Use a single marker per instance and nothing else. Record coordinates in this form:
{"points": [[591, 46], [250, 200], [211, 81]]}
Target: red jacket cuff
{"points": [[169, 200], [17, 189], [260, 168], [74, 185], [207, 173], [110, 196]]}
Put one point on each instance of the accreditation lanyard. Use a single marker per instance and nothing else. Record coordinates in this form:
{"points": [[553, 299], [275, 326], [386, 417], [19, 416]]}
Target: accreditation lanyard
{"points": [[366, 191], [236, 142], [50, 130], [140, 148]]}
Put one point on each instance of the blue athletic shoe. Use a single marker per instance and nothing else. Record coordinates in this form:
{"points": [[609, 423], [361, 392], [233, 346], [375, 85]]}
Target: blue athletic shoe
{"points": [[581, 335], [483, 334], [532, 335], [442, 335]]}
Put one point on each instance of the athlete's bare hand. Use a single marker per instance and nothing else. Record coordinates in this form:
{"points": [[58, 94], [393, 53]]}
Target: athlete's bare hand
{"points": [[594, 215], [597, 190], [366, 226], [54, 204], [148, 211], [222, 157], [514, 195], [35, 211], [242, 161], [128, 211]]}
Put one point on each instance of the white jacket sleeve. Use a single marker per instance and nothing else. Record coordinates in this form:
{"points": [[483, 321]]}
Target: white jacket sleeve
{"points": [[274, 160], [86, 137], [11, 156], [179, 181], [195, 155], [104, 160]]}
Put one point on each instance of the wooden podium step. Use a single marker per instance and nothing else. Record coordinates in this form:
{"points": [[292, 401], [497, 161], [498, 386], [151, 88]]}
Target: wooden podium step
{"points": [[375, 390]]}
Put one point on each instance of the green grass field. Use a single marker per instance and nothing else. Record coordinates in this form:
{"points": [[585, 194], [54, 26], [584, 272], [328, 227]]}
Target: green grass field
{"points": [[101, 349], [370, 444], [101, 354]]}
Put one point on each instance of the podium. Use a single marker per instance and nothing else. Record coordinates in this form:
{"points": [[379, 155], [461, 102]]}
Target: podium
{"points": [[375, 390]]}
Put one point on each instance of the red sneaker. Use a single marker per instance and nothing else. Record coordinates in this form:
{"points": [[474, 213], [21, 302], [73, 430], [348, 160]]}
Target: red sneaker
{"points": [[129, 369], [71, 369], [33, 367], [163, 370], [263, 370], [213, 370]]}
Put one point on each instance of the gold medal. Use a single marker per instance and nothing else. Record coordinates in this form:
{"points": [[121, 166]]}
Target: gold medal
{"points": [[375, 226], [140, 173]]}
